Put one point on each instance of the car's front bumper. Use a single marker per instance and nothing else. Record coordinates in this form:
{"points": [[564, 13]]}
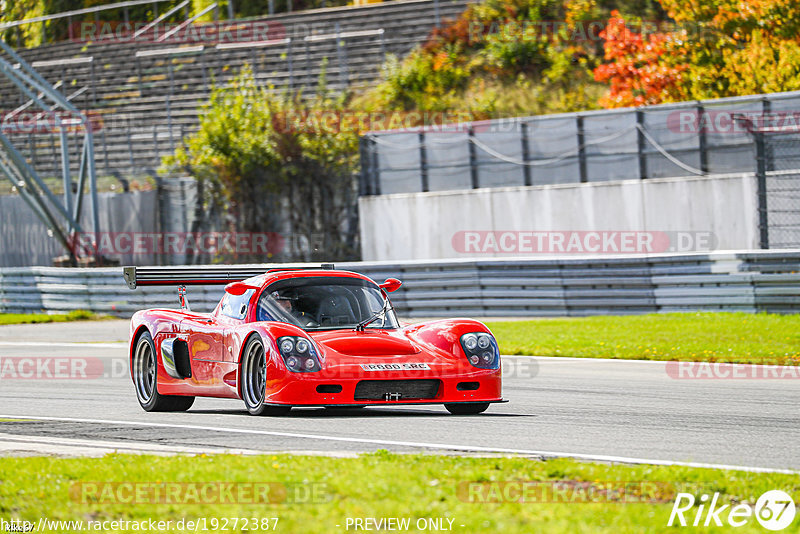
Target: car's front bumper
{"points": [[305, 390]]}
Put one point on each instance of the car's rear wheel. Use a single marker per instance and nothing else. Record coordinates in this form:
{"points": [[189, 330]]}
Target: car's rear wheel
{"points": [[253, 376], [467, 408], [145, 378]]}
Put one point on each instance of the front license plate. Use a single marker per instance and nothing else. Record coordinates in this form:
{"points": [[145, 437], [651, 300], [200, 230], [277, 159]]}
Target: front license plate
{"points": [[395, 367]]}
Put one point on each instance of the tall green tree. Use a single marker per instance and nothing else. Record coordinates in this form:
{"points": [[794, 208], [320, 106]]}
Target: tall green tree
{"points": [[278, 163]]}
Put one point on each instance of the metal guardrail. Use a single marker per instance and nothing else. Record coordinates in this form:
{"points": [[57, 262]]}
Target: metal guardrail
{"points": [[750, 281]]}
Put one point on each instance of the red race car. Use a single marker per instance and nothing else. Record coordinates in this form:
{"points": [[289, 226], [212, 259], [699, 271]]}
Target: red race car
{"points": [[301, 336]]}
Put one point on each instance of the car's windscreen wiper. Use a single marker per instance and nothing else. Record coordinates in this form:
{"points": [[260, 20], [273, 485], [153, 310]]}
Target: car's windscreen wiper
{"points": [[363, 324]]}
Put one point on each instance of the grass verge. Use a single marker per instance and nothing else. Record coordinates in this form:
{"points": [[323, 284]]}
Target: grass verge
{"points": [[31, 318], [713, 337], [322, 493]]}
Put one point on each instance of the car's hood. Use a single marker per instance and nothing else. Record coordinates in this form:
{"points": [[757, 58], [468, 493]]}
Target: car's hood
{"points": [[367, 343]]}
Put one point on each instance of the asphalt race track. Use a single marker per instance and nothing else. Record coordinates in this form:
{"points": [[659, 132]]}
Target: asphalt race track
{"points": [[595, 409]]}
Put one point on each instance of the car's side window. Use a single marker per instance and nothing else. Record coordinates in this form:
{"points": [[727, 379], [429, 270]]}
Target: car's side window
{"points": [[235, 306]]}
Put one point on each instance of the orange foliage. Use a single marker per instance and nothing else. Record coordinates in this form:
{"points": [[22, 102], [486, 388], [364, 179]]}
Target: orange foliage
{"points": [[636, 72]]}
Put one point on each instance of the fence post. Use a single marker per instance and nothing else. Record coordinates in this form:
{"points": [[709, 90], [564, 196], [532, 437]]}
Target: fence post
{"points": [[526, 156], [473, 159], [769, 152], [423, 162], [375, 164], [761, 181], [701, 138], [363, 177], [640, 145], [581, 150]]}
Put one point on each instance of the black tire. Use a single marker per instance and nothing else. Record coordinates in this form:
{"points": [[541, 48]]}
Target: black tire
{"points": [[145, 373], [467, 408], [253, 379]]}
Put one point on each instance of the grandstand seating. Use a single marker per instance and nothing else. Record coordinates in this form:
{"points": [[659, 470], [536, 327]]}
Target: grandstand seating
{"points": [[148, 93]]}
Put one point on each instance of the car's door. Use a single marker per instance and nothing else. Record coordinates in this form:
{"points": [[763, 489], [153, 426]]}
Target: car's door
{"points": [[204, 338], [232, 312]]}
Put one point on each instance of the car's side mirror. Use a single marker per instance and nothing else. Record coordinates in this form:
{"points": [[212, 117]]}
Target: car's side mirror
{"points": [[391, 284], [238, 288]]}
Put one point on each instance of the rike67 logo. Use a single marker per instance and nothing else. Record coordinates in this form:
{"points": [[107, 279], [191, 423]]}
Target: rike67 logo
{"points": [[774, 510]]}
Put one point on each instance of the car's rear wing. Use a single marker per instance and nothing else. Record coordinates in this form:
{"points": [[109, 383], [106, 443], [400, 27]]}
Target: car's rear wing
{"points": [[213, 275]]}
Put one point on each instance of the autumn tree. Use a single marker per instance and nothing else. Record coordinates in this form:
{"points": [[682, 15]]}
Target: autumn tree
{"points": [[716, 48], [639, 71]]}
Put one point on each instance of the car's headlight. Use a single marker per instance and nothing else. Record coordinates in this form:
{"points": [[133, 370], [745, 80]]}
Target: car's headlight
{"points": [[299, 354], [481, 350]]}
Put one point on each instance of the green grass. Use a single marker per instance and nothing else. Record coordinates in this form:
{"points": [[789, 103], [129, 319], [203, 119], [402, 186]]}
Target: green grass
{"points": [[30, 318], [722, 337], [373, 485]]}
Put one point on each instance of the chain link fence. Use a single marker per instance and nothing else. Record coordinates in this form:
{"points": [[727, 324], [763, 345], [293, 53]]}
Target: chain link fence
{"points": [[669, 140], [778, 177]]}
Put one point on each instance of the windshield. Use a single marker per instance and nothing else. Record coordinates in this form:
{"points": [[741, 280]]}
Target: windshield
{"points": [[320, 303]]}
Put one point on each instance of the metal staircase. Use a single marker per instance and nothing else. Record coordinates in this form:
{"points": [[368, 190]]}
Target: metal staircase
{"points": [[63, 120]]}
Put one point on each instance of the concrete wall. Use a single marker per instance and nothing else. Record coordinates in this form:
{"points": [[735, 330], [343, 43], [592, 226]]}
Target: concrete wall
{"points": [[25, 240], [416, 226]]}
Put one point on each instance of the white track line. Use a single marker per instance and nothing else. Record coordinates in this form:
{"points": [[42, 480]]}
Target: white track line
{"points": [[415, 444], [577, 359], [44, 442]]}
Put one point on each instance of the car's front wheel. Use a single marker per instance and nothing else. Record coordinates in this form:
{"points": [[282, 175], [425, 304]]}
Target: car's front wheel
{"points": [[145, 373], [467, 408], [253, 377]]}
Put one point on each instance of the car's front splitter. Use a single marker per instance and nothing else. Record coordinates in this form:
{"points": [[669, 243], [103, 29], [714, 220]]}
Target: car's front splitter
{"points": [[386, 403]]}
